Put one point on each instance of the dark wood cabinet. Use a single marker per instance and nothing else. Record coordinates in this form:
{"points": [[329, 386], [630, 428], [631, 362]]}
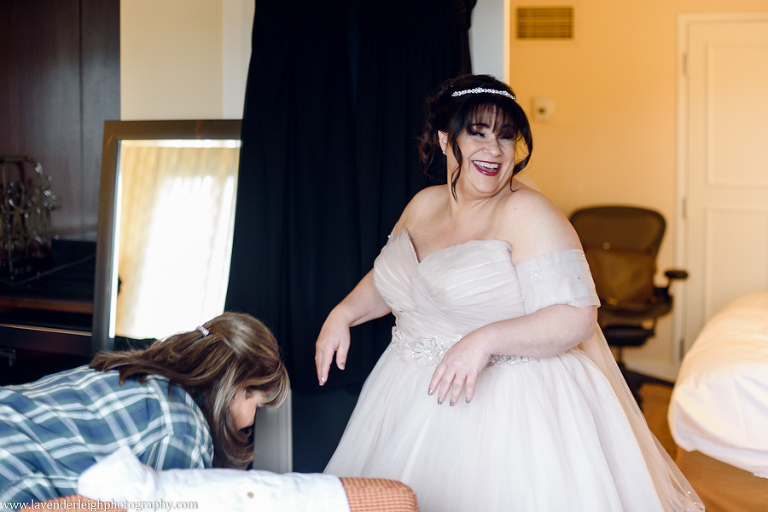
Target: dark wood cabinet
{"points": [[59, 82], [60, 69], [46, 320]]}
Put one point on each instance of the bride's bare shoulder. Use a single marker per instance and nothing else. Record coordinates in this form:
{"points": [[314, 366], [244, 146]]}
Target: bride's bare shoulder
{"points": [[426, 200], [429, 194], [422, 206], [524, 199], [535, 224]]}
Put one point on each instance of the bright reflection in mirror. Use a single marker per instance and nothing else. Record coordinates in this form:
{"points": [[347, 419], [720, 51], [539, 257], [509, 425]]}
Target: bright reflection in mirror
{"points": [[173, 240]]}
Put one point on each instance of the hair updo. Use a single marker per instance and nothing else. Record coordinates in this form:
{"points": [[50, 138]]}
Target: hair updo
{"points": [[454, 114]]}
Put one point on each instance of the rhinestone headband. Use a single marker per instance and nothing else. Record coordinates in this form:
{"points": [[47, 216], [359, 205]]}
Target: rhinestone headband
{"points": [[203, 330], [478, 90]]}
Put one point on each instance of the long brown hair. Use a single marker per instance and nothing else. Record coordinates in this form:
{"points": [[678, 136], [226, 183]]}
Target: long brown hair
{"points": [[239, 352]]}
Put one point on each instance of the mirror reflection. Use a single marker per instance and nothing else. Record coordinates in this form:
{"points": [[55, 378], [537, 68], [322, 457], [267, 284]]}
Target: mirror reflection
{"points": [[174, 236], [166, 224]]}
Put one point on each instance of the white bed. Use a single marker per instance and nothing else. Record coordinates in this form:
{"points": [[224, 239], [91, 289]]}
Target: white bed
{"points": [[718, 413]]}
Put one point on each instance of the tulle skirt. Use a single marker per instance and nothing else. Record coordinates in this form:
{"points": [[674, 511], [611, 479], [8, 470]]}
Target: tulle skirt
{"points": [[539, 435]]}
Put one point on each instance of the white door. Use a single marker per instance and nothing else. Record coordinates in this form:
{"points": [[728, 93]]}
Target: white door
{"points": [[723, 166]]}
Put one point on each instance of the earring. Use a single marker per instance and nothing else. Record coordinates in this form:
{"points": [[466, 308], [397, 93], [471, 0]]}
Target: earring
{"points": [[444, 152]]}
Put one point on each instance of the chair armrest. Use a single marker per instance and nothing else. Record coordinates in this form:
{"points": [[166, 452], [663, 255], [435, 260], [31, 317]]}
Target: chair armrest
{"points": [[676, 274], [378, 494]]}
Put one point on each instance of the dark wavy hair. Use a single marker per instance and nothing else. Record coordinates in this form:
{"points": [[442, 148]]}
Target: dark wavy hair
{"points": [[454, 114], [239, 352]]}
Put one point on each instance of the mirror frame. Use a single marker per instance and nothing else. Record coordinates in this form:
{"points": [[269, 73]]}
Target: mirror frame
{"points": [[114, 133]]}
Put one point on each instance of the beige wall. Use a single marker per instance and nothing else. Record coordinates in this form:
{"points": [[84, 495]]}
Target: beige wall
{"points": [[184, 59], [612, 135]]}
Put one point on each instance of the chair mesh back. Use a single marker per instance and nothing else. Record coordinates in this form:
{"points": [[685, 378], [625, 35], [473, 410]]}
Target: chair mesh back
{"points": [[621, 245]]}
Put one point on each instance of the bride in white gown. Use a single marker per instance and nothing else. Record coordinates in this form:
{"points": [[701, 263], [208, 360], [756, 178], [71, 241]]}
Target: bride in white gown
{"points": [[498, 392]]}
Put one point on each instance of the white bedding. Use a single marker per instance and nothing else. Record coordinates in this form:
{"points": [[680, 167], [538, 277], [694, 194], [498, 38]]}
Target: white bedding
{"points": [[719, 405]]}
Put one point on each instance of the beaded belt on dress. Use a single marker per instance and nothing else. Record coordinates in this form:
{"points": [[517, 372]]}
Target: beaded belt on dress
{"points": [[428, 352]]}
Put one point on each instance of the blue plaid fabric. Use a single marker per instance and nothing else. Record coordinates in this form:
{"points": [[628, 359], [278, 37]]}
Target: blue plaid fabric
{"points": [[54, 429]]}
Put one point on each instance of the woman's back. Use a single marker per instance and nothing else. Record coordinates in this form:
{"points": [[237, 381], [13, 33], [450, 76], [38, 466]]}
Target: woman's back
{"points": [[55, 428]]}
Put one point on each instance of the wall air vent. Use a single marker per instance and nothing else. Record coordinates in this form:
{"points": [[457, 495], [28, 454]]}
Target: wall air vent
{"points": [[545, 22]]}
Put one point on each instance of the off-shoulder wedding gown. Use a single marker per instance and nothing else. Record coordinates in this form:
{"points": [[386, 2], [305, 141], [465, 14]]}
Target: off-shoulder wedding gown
{"points": [[541, 434]]}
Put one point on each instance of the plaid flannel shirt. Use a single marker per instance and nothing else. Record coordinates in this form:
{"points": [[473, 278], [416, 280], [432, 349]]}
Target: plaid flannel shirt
{"points": [[54, 429]]}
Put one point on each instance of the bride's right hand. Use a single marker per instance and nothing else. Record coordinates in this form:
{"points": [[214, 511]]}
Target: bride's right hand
{"points": [[333, 339], [362, 304]]}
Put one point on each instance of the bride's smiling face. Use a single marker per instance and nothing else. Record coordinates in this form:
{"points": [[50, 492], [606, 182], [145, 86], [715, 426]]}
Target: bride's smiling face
{"points": [[488, 158]]}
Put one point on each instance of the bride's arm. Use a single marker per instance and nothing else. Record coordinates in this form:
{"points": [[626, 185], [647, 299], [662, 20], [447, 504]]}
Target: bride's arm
{"points": [[538, 228], [362, 304], [545, 333]]}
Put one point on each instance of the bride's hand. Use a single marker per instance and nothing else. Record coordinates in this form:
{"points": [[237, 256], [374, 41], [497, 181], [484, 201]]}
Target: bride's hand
{"points": [[333, 339], [459, 369]]}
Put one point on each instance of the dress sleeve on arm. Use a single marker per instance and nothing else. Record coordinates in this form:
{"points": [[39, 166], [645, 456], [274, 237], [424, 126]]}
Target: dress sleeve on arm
{"points": [[560, 277]]}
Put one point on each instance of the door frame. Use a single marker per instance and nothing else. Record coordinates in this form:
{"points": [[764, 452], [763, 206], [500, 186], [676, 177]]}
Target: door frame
{"points": [[684, 21]]}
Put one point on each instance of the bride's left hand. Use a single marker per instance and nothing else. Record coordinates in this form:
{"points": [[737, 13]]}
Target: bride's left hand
{"points": [[458, 370]]}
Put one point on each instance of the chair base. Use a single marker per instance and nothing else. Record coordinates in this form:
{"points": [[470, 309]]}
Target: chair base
{"points": [[628, 335], [634, 382]]}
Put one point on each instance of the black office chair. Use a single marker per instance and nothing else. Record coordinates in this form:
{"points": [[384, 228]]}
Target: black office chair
{"points": [[621, 244]]}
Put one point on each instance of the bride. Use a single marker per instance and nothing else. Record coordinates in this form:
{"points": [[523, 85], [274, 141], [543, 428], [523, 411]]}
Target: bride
{"points": [[498, 391]]}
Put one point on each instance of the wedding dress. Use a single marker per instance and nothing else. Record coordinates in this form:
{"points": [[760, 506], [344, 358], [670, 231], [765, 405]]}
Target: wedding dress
{"points": [[541, 434]]}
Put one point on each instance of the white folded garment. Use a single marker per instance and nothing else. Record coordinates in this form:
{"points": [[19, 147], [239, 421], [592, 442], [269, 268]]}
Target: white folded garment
{"points": [[122, 479]]}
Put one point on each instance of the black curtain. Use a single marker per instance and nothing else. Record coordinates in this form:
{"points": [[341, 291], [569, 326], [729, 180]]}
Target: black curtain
{"points": [[333, 107]]}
